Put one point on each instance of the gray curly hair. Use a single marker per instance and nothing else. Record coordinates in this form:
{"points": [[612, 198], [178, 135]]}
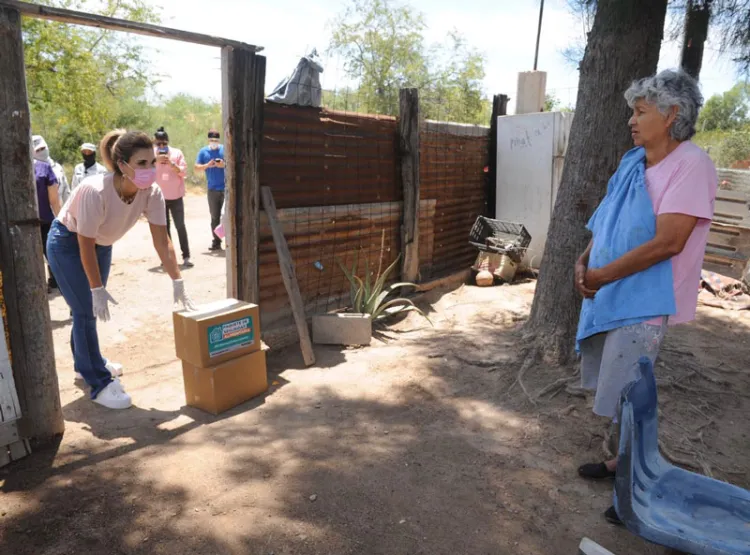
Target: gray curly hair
{"points": [[668, 88]]}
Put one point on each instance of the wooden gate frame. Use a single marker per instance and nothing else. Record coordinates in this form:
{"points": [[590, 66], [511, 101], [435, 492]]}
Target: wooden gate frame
{"points": [[243, 81]]}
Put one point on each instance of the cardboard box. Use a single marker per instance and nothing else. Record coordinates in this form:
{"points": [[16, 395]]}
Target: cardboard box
{"points": [[217, 332], [226, 385]]}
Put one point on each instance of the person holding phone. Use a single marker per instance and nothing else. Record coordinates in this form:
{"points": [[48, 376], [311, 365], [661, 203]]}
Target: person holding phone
{"points": [[211, 160], [170, 176]]}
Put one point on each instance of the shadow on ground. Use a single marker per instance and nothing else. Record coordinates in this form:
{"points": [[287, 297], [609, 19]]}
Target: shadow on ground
{"points": [[415, 445]]}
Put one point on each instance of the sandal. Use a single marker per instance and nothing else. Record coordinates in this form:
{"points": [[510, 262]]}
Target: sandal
{"points": [[595, 471]]}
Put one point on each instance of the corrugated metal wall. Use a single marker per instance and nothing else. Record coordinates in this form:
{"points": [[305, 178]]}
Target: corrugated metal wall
{"points": [[336, 182], [453, 158]]}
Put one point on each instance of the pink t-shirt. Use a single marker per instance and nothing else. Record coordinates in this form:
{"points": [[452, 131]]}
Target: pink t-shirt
{"points": [[685, 182], [95, 209], [171, 181]]}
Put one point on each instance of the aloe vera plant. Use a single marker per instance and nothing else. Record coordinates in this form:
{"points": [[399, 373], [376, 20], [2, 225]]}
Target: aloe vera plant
{"points": [[373, 297]]}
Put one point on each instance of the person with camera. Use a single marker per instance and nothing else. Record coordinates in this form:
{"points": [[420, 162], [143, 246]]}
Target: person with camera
{"points": [[211, 160], [170, 176]]}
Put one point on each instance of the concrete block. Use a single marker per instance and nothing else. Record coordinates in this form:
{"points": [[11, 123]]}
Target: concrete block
{"points": [[531, 92], [589, 547], [342, 329]]}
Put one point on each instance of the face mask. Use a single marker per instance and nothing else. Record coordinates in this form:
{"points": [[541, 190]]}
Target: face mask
{"points": [[89, 160], [143, 179], [42, 155], [213, 146]]}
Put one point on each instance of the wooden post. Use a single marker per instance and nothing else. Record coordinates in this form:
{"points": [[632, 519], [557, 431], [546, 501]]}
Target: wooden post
{"points": [[243, 82], [499, 108], [24, 282], [289, 276], [408, 131], [52, 13]]}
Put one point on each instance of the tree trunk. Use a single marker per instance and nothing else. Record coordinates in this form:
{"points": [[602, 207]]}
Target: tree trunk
{"points": [[623, 45], [697, 16], [21, 262]]}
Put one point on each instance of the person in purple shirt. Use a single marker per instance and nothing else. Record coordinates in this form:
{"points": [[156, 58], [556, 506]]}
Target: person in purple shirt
{"points": [[49, 205]]}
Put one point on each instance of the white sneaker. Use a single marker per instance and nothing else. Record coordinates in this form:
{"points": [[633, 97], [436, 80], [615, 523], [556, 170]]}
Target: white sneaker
{"points": [[114, 368], [114, 397]]}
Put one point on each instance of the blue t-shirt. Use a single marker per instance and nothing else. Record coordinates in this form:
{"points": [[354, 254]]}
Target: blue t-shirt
{"points": [[214, 176], [45, 178]]}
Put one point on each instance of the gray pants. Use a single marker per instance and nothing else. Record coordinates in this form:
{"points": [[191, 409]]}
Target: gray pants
{"points": [[609, 361], [177, 209], [215, 202]]}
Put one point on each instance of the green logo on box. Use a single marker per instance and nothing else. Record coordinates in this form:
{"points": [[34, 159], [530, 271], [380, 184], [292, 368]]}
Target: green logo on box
{"points": [[230, 336]]}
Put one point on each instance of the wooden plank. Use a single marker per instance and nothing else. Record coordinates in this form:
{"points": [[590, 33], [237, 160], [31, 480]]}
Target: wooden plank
{"points": [[21, 263], [732, 208], [499, 108], [728, 251], [4, 456], [9, 405], [243, 82], [103, 22], [408, 131], [290, 279]]}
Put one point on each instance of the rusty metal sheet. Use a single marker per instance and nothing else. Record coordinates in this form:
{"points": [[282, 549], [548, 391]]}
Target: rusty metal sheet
{"points": [[452, 172], [336, 181], [313, 157]]}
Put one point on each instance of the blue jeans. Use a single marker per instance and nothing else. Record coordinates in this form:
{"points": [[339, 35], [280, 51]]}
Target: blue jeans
{"points": [[64, 258]]}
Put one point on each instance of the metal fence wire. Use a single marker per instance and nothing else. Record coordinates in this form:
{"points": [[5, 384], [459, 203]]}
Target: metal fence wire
{"points": [[335, 175]]}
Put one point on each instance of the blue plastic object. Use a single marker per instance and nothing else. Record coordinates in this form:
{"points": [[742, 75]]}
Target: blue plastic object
{"points": [[666, 504]]}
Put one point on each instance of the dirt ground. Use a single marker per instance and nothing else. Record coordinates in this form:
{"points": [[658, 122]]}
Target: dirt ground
{"points": [[417, 444]]}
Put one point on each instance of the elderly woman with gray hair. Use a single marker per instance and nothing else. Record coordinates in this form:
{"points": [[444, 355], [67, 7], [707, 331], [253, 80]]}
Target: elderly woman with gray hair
{"points": [[641, 270]]}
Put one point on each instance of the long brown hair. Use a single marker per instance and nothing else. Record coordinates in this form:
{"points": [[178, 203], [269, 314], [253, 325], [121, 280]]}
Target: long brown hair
{"points": [[119, 146]]}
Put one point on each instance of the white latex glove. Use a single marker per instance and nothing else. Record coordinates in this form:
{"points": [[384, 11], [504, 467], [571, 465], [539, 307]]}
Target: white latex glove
{"points": [[181, 296], [100, 298]]}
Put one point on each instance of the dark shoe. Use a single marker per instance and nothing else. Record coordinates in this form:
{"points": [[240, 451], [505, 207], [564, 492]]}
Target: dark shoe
{"points": [[595, 471], [215, 247], [52, 284], [610, 515]]}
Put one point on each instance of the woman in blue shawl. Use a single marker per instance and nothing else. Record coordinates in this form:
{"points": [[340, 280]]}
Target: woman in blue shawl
{"points": [[641, 270]]}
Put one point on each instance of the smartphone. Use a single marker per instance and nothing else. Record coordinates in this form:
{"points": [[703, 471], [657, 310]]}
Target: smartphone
{"points": [[163, 150]]}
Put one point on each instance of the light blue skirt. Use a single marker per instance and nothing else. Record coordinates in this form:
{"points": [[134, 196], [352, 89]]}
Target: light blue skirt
{"points": [[609, 361]]}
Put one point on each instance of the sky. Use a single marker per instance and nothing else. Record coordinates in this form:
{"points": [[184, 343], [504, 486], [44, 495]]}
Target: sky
{"points": [[503, 30]]}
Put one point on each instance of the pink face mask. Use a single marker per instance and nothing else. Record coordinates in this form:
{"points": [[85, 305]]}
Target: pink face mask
{"points": [[143, 179]]}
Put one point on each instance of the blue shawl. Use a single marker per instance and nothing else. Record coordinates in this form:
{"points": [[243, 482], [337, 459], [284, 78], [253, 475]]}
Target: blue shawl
{"points": [[624, 220]]}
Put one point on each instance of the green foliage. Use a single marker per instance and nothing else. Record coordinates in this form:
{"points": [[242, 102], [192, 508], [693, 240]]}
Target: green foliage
{"points": [[551, 102], [726, 111], [77, 76], [725, 147], [372, 297], [83, 82], [382, 44]]}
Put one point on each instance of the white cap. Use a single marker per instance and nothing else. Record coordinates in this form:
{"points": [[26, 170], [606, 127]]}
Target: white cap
{"points": [[38, 142], [88, 146]]}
